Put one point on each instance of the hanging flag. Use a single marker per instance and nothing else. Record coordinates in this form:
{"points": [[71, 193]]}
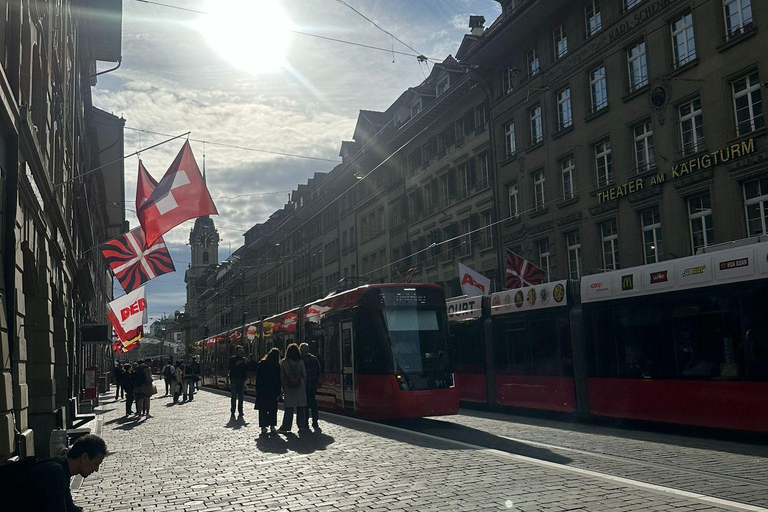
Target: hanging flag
{"points": [[128, 315], [473, 283], [315, 313], [145, 185], [181, 195], [133, 263], [521, 272]]}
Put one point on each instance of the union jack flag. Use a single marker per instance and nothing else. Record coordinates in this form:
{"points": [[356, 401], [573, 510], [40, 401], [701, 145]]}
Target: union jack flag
{"points": [[133, 263], [521, 272]]}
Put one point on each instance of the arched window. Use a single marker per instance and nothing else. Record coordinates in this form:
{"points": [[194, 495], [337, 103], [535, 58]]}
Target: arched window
{"points": [[205, 258]]}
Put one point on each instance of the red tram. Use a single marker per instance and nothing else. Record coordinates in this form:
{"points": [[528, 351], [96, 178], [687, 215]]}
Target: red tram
{"points": [[684, 341], [383, 347]]}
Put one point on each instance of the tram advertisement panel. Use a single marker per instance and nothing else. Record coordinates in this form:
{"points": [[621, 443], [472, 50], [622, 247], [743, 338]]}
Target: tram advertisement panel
{"points": [[542, 296]]}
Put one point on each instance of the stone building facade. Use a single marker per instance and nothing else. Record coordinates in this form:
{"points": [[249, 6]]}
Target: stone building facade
{"points": [[61, 195]]}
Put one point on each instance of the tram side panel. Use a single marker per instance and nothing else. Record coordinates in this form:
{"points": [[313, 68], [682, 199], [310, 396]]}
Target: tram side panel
{"points": [[467, 339], [684, 341], [532, 349]]}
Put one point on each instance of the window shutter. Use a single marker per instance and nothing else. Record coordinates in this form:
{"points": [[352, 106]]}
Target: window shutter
{"points": [[474, 225], [451, 183], [471, 174]]}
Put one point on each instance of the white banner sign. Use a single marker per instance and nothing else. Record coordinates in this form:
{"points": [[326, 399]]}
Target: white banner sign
{"points": [[130, 309], [473, 283]]}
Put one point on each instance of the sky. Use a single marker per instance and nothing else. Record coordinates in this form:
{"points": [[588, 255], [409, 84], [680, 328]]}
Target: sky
{"points": [[237, 76]]}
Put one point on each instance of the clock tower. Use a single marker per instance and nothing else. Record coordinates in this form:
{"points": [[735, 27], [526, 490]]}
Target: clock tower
{"points": [[204, 244]]}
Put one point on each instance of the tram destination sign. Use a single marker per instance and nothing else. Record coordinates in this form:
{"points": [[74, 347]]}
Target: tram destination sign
{"points": [[680, 170]]}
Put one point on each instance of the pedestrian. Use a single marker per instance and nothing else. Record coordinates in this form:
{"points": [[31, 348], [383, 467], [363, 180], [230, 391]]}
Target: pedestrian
{"points": [[44, 485], [119, 387], [293, 377], [178, 380], [188, 386], [268, 390], [133, 379], [146, 389], [314, 369], [237, 368], [167, 373]]}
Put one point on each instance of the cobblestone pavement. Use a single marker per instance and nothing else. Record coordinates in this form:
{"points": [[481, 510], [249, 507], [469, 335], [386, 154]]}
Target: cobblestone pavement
{"points": [[729, 469], [191, 457]]}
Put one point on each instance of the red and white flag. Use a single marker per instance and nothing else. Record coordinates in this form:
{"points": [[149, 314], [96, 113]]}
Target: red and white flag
{"points": [[145, 185], [128, 315], [521, 272], [473, 283], [181, 195]]}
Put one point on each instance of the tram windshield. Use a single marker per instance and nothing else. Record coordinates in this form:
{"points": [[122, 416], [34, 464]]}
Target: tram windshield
{"points": [[416, 338]]}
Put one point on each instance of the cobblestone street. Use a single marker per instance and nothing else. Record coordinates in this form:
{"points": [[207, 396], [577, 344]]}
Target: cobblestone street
{"points": [[191, 457]]}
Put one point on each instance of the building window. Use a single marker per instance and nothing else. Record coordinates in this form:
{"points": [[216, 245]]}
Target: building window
{"points": [[574, 254], [738, 15], [512, 192], [691, 127], [442, 86], [543, 247], [506, 80], [748, 103], [415, 109], [599, 88], [560, 40], [700, 216], [466, 240], [485, 172], [629, 4], [487, 229], [593, 18], [638, 67], [539, 182], [644, 157], [610, 238], [683, 43], [568, 166], [533, 62], [564, 112], [510, 139], [537, 129], [481, 117], [756, 204], [603, 163], [651, 221]]}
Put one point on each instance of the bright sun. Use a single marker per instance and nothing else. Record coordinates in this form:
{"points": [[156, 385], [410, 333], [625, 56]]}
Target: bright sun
{"points": [[251, 34]]}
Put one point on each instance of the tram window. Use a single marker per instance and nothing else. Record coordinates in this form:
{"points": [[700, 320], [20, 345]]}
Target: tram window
{"points": [[755, 333], [417, 339], [468, 343], [330, 347], [601, 342], [517, 348], [640, 338], [545, 356], [371, 355]]}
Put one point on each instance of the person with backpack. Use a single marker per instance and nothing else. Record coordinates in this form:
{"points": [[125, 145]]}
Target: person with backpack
{"points": [[268, 390], [167, 373], [33, 485], [293, 376]]}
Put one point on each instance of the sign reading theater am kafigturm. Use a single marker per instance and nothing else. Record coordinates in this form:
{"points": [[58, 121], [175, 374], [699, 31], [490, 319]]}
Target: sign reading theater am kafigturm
{"points": [[680, 170]]}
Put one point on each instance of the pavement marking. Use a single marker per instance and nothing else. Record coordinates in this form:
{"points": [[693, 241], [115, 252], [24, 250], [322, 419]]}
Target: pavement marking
{"points": [[619, 458], [585, 472]]}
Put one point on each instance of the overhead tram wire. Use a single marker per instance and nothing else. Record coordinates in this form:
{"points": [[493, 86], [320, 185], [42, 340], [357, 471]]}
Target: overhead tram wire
{"points": [[298, 32]]}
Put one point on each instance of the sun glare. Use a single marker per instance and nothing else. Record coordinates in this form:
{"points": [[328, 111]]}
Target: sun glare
{"points": [[251, 34]]}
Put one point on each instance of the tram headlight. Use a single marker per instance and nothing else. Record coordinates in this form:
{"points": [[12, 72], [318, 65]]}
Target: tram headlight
{"points": [[402, 382]]}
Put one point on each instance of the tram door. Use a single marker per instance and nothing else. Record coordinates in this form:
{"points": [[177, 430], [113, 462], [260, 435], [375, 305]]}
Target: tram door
{"points": [[347, 367]]}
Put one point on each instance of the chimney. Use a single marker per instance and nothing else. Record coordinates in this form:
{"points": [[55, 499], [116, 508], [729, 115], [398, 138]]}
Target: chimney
{"points": [[476, 25]]}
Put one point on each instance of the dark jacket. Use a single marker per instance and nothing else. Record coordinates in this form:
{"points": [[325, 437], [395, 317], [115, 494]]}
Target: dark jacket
{"points": [[45, 487], [237, 367], [312, 365], [267, 381]]}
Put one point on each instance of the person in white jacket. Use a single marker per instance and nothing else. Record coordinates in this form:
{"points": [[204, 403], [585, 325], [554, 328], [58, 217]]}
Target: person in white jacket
{"points": [[293, 377]]}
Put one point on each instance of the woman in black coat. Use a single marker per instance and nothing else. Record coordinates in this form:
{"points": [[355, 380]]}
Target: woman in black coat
{"points": [[268, 390]]}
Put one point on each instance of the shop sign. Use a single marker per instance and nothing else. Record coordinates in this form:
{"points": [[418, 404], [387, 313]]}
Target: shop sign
{"points": [[463, 309], [640, 17], [681, 170]]}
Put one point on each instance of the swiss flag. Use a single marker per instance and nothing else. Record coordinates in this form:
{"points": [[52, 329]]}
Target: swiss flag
{"points": [[181, 195]]}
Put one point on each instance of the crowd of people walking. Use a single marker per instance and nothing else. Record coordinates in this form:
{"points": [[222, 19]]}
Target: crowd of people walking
{"points": [[295, 378]]}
